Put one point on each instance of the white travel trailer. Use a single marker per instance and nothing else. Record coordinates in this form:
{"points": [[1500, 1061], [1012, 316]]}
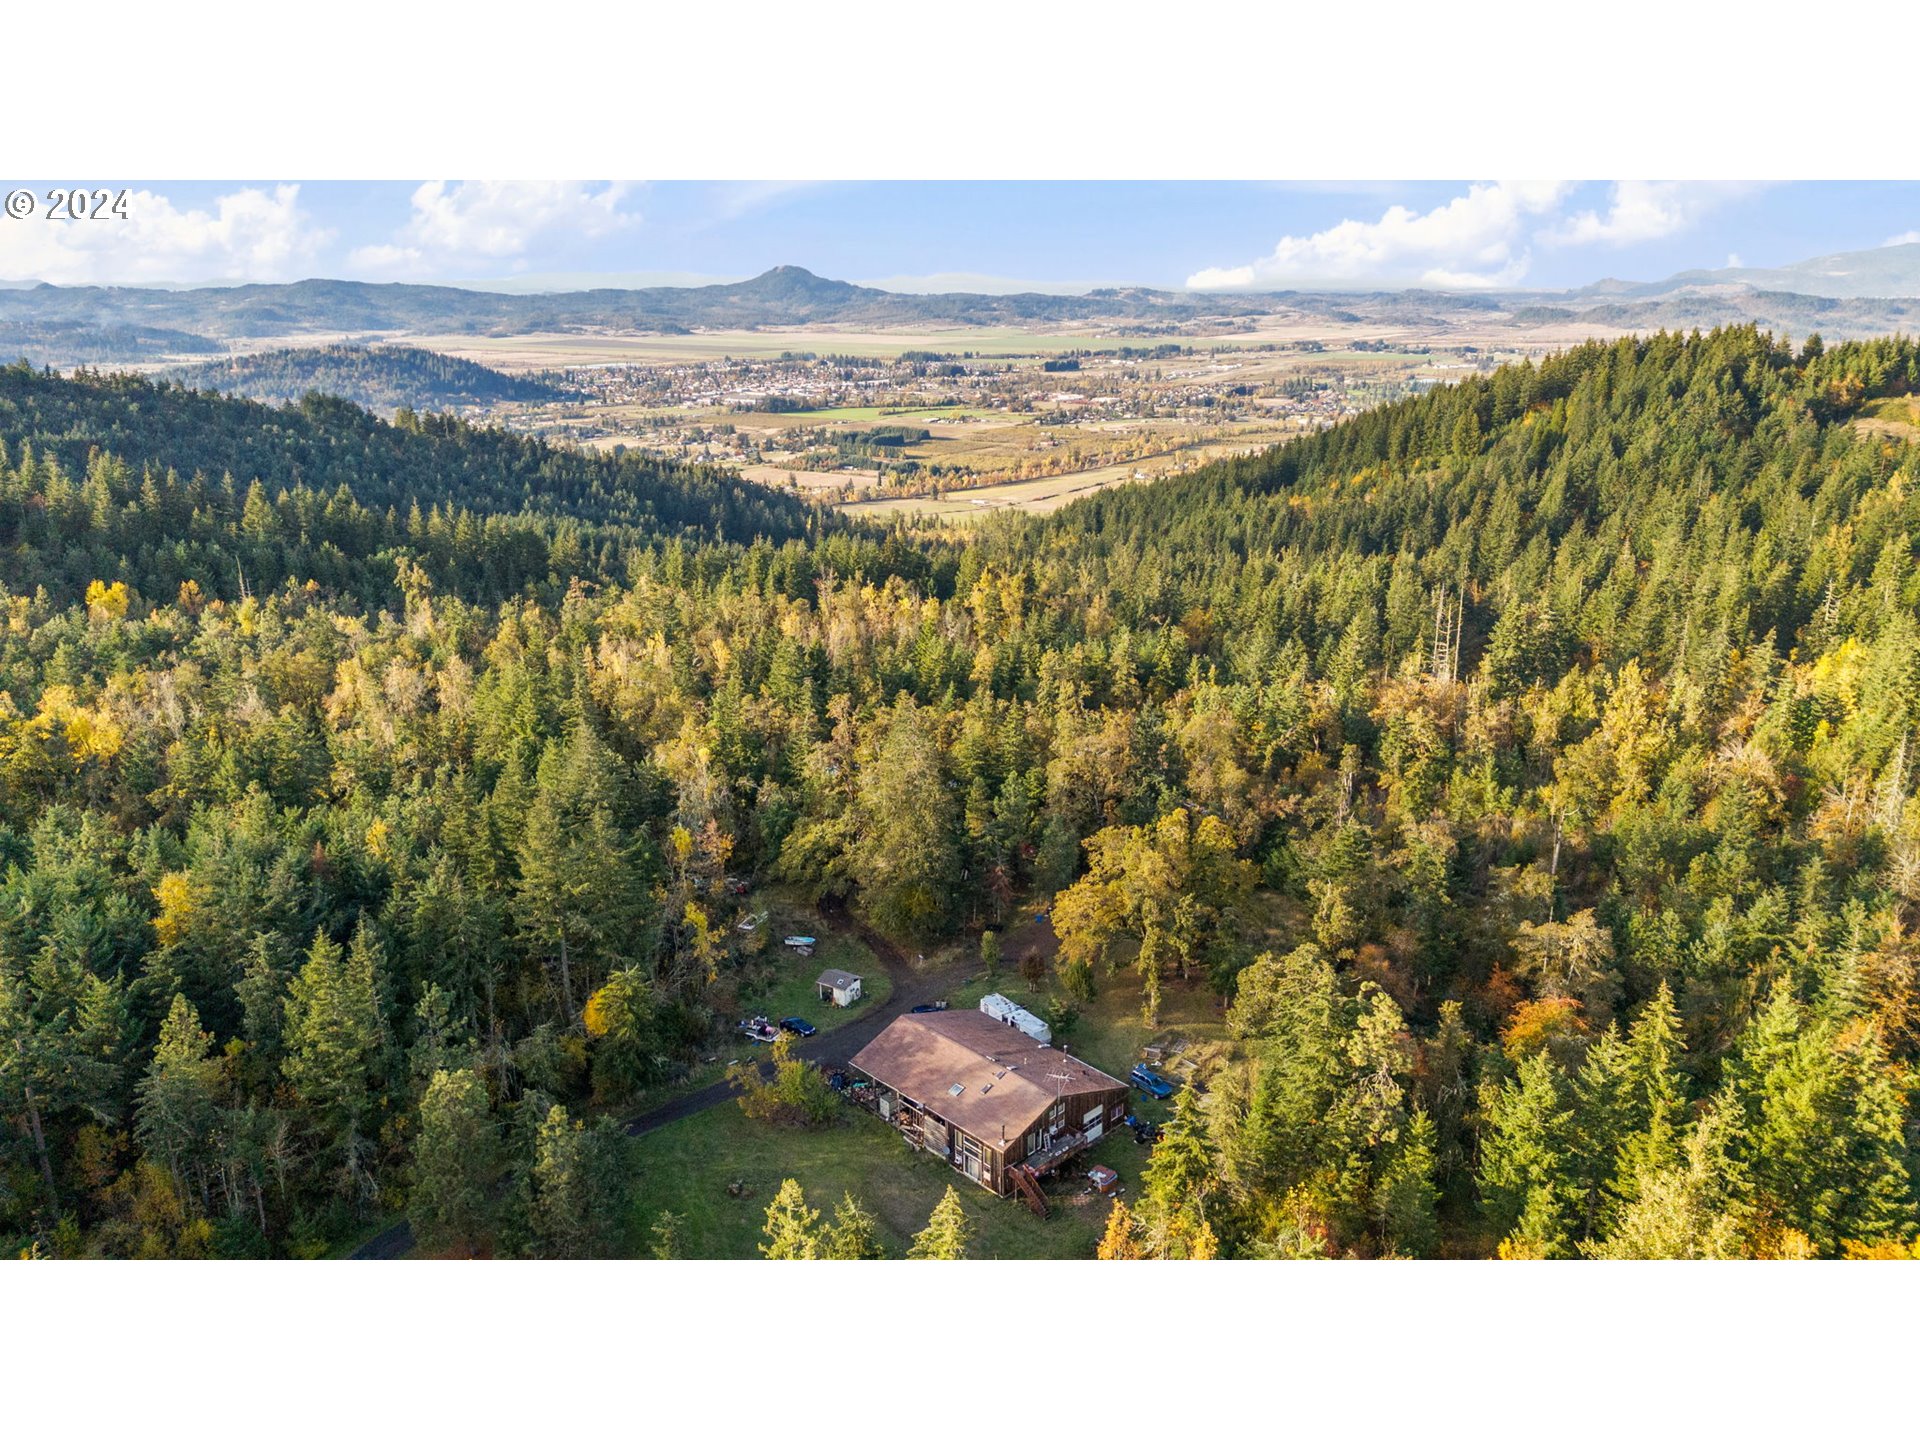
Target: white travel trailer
{"points": [[1022, 1019]]}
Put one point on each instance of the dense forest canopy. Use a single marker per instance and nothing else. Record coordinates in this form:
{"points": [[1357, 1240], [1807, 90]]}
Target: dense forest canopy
{"points": [[366, 790], [116, 478], [383, 378]]}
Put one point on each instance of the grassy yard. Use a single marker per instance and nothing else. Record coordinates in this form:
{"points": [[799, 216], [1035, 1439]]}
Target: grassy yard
{"points": [[779, 983], [786, 985], [686, 1167]]}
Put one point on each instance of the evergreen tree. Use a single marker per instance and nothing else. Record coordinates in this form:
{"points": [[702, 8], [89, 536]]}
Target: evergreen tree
{"points": [[1525, 1161], [179, 1104], [453, 1164], [948, 1234], [576, 1188], [1693, 1208], [906, 857], [334, 1039], [1406, 1200], [792, 1229], [852, 1234]]}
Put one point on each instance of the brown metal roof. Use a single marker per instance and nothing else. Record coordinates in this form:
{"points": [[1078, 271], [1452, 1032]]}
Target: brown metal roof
{"points": [[836, 979], [1006, 1077]]}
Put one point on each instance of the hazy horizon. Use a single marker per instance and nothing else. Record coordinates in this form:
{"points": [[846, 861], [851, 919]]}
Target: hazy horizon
{"points": [[978, 237]]}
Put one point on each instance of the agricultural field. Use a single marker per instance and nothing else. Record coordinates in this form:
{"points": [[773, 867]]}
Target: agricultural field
{"points": [[857, 418], [548, 351], [1037, 497]]}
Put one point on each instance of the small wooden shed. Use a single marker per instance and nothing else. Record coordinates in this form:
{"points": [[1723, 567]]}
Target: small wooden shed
{"points": [[838, 987]]}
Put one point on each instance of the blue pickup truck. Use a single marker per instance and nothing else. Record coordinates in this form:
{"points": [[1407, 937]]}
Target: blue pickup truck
{"points": [[1151, 1081]]}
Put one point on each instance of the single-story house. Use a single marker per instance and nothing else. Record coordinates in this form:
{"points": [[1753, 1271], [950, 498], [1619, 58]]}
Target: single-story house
{"points": [[838, 987], [998, 1105]]}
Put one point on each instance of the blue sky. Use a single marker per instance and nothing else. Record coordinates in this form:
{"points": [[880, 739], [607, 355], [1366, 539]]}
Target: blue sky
{"points": [[960, 235]]}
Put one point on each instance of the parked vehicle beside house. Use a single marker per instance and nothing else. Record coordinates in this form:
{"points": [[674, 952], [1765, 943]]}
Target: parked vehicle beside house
{"points": [[1150, 1080]]}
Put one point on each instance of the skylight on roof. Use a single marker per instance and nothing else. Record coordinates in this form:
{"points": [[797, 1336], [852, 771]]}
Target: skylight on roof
{"points": [[955, 1089]]}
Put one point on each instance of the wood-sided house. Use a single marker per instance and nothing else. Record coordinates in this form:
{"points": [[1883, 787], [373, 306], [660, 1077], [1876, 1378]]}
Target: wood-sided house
{"points": [[995, 1103]]}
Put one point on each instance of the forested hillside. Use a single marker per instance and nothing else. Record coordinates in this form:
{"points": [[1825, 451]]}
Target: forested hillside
{"points": [[94, 342], [383, 379], [117, 478], [1530, 766]]}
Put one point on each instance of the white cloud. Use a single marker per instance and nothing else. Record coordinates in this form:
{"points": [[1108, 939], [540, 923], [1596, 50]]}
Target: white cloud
{"points": [[248, 234], [1473, 241], [1640, 210], [1910, 237], [738, 198], [495, 223]]}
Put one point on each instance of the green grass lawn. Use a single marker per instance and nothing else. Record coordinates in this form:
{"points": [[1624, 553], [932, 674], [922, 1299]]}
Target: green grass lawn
{"points": [[789, 990], [686, 1167]]}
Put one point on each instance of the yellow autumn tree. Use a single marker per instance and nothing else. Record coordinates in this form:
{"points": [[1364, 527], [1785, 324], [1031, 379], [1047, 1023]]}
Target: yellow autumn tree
{"points": [[1118, 1243], [107, 602], [94, 735], [175, 894]]}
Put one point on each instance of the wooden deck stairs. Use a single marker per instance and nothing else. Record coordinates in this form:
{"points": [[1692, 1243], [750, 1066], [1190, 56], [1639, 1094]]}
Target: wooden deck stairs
{"points": [[1027, 1186]]}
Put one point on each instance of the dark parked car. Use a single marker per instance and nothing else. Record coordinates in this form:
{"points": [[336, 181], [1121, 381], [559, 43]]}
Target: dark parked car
{"points": [[1154, 1084], [797, 1025], [928, 1009]]}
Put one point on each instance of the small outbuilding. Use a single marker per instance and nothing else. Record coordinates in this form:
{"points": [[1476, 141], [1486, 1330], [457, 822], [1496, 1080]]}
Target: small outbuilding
{"points": [[838, 987]]}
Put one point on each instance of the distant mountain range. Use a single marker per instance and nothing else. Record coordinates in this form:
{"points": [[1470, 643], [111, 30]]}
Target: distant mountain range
{"points": [[1863, 292], [786, 295], [1889, 272]]}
